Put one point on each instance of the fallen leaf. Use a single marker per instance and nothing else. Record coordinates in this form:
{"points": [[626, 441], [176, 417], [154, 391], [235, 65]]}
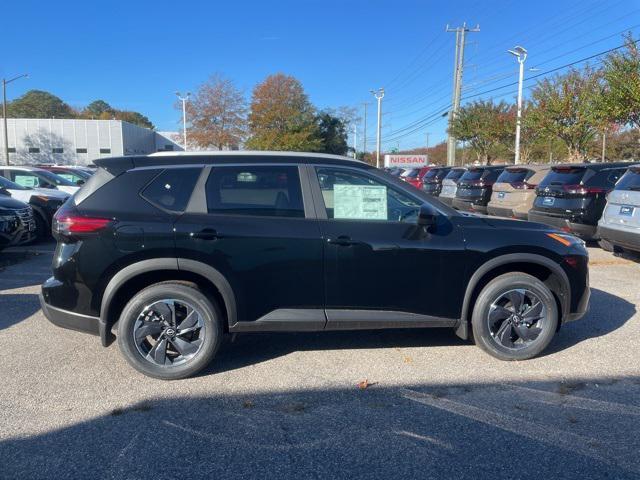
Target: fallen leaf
{"points": [[364, 384]]}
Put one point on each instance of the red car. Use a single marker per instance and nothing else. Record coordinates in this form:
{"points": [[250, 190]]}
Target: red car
{"points": [[415, 176]]}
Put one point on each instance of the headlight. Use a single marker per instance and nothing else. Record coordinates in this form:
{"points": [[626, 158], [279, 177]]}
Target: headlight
{"points": [[567, 240]]}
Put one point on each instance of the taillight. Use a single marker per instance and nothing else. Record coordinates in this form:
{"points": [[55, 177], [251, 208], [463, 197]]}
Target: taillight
{"points": [[68, 221], [582, 189], [523, 186]]}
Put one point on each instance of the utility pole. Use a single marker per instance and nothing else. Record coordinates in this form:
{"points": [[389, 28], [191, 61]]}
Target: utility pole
{"points": [[378, 94], [355, 141], [184, 116], [364, 130], [457, 85], [521, 54], [4, 113], [428, 139], [604, 145]]}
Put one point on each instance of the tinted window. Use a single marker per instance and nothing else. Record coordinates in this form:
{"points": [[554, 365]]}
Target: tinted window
{"points": [[413, 173], [172, 188], [272, 191], [472, 174], [454, 174], [563, 176], [435, 173], [351, 196], [491, 175], [514, 175], [606, 178], [630, 180]]}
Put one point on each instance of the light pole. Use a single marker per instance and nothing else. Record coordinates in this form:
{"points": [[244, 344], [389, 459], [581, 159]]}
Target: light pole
{"points": [[4, 113], [378, 94], [521, 55], [355, 141], [184, 116]]}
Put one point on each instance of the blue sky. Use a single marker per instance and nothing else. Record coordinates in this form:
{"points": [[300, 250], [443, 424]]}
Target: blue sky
{"points": [[136, 54]]}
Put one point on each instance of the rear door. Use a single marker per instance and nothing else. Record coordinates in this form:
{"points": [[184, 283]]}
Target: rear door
{"points": [[561, 191], [254, 224], [623, 205]]}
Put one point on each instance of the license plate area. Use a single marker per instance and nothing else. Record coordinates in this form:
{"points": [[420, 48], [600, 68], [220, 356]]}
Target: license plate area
{"points": [[626, 211], [548, 201], [500, 194]]}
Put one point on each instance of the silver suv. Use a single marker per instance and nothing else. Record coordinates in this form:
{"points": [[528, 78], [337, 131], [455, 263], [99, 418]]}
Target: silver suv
{"points": [[619, 227]]}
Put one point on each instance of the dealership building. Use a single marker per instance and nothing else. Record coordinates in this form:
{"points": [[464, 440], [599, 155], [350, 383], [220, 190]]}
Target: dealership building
{"points": [[79, 142]]}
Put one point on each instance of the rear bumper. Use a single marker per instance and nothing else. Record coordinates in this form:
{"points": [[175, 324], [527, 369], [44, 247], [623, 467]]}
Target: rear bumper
{"points": [[446, 200], [621, 238], [66, 319], [468, 206], [500, 211], [587, 232]]}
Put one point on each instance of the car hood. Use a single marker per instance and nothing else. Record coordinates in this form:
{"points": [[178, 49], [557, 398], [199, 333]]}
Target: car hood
{"points": [[50, 193], [11, 204]]}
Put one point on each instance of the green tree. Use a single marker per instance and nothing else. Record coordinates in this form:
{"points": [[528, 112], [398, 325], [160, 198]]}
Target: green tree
{"points": [[621, 101], [98, 109], [333, 133], [483, 125], [133, 117], [567, 106], [39, 104], [281, 116]]}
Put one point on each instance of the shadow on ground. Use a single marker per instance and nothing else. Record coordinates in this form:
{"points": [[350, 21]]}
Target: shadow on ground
{"points": [[16, 308], [466, 431]]}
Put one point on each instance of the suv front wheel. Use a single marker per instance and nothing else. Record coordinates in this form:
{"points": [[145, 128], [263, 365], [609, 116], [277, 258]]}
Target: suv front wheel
{"points": [[170, 330], [514, 317]]}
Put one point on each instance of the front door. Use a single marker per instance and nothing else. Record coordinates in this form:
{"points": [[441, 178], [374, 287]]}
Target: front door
{"points": [[377, 259]]}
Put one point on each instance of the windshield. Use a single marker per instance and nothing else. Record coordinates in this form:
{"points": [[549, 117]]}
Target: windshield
{"points": [[55, 179], [9, 185], [630, 180]]}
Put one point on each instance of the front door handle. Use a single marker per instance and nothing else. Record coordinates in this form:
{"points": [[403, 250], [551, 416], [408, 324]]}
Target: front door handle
{"points": [[342, 240], [206, 234]]}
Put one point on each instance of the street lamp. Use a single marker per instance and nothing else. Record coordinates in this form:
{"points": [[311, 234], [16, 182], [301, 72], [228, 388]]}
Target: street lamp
{"points": [[184, 116], [4, 113], [521, 55], [378, 94]]}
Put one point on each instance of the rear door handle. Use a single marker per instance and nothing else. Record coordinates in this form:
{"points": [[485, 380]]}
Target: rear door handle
{"points": [[342, 240], [206, 234]]}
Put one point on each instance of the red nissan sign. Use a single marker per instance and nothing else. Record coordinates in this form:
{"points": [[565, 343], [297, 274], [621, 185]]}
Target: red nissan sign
{"points": [[406, 161]]}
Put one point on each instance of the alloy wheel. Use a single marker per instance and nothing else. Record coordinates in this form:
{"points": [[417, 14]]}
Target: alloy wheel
{"points": [[169, 332], [516, 318]]}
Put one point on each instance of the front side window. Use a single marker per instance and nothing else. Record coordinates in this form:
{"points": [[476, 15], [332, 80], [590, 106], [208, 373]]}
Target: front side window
{"points": [[268, 191], [352, 196], [172, 188]]}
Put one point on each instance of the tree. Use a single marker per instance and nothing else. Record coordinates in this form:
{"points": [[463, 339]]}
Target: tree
{"points": [[281, 117], [39, 104], [332, 132], [217, 114], [621, 101], [567, 106], [98, 109], [133, 117], [484, 126], [532, 140]]}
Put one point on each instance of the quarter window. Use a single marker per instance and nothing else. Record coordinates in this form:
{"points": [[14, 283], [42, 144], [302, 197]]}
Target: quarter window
{"points": [[352, 196], [172, 188], [271, 191]]}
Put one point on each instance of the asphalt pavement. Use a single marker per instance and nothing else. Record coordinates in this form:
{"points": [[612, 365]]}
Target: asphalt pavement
{"points": [[293, 406]]}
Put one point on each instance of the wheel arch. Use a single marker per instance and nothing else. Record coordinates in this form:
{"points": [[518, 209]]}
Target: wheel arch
{"points": [[538, 266], [131, 279]]}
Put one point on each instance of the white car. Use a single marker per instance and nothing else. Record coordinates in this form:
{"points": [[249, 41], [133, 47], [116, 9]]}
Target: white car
{"points": [[32, 177]]}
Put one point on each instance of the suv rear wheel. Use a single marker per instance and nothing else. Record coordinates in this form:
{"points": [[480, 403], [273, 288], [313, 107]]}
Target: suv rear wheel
{"points": [[514, 317], [170, 330]]}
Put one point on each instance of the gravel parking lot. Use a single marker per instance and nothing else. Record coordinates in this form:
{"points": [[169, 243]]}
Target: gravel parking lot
{"points": [[289, 405]]}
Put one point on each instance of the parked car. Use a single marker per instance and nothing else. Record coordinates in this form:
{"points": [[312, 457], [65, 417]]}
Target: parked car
{"points": [[416, 176], [44, 203], [76, 175], [619, 227], [396, 171], [181, 249], [514, 191], [16, 222], [432, 181], [37, 178], [450, 185], [475, 187], [572, 197]]}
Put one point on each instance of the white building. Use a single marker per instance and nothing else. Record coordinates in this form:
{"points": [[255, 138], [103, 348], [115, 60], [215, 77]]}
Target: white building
{"points": [[78, 142]]}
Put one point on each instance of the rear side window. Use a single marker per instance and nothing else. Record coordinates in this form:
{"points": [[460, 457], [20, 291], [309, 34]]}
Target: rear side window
{"points": [[172, 188], [606, 178], [563, 176], [94, 182], [630, 180], [270, 191]]}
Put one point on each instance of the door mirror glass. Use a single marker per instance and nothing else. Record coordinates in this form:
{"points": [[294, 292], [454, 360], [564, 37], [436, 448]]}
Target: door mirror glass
{"points": [[426, 217]]}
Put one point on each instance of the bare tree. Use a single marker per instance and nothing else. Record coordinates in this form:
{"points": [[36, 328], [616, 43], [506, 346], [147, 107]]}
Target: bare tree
{"points": [[217, 114]]}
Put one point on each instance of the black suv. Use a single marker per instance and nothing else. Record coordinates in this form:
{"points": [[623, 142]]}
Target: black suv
{"points": [[180, 249], [572, 197], [475, 188], [432, 181], [16, 222]]}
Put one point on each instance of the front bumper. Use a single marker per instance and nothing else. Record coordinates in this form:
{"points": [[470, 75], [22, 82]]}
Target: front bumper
{"points": [[621, 238], [586, 232]]}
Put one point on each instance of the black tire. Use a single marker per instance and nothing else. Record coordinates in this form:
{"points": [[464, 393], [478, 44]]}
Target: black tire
{"points": [[491, 294], [212, 330]]}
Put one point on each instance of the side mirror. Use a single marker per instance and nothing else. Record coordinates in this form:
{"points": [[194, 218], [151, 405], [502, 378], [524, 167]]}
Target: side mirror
{"points": [[426, 216], [4, 191], [80, 182]]}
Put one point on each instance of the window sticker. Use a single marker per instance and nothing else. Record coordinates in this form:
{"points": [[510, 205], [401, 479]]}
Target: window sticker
{"points": [[362, 202], [26, 180]]}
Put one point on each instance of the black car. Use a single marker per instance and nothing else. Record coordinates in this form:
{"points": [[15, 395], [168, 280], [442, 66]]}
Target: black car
{"points": [[178, 250], [572, 197], [432, 181], [475, 188], [16, 221]]}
